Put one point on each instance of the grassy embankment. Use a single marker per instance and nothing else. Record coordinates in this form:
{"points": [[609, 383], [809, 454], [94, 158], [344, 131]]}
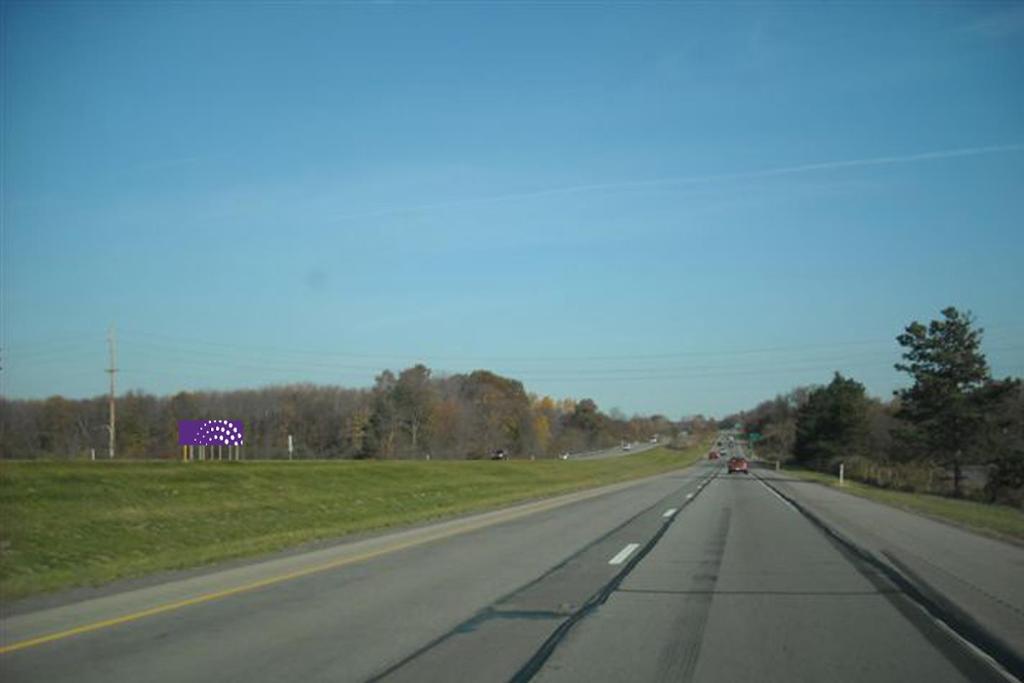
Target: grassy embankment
{"points": [[73, 524], [999, 521]]}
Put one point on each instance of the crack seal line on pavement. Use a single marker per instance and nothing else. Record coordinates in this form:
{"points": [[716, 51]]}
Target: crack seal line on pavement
{"points": [[950, 618], [534, 664]]}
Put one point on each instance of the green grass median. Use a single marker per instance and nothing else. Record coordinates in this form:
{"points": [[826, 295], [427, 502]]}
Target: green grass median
{"points": [[73, 524], [999, 521]]}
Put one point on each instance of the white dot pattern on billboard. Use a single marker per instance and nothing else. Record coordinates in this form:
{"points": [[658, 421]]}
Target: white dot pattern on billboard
{"points": [[220, 432]]}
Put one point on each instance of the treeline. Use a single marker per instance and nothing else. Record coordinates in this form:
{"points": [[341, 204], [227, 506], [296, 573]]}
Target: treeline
{"points": [[955, 430], [411, 414]]}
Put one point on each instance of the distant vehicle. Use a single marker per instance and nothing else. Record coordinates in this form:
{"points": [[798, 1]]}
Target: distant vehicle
{"points": [[654, 439], [739, 465], [626, 447], [498, 454], [564, 456], [713, 455]]}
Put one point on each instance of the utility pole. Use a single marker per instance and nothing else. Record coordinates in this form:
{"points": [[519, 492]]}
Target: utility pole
{"points": [[113, 371]]}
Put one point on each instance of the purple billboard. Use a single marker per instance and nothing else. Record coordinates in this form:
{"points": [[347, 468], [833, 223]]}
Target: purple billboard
{"points": [[210, 432]]}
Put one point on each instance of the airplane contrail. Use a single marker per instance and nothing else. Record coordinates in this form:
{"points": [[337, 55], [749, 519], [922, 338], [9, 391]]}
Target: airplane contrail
{"points": [[693, 180]]}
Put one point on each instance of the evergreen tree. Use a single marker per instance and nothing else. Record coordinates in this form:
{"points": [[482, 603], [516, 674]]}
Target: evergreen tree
{"points": [[947, 406], [832, 423]]}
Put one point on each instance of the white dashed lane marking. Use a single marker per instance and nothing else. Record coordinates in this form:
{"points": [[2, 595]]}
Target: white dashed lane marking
{"points": [[624, 553]]}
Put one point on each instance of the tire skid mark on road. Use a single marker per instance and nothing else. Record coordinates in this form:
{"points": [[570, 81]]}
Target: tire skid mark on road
{"points": [[686, 662], [983, 646]]}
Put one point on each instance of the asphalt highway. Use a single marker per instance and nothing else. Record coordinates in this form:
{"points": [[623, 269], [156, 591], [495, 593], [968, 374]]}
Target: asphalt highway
{"points": [[615, 452], [743, 588], [690, 576]]}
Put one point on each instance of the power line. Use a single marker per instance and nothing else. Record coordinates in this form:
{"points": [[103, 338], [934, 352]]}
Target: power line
{"points": [[235, 349], [223, 360], [234, 360]]}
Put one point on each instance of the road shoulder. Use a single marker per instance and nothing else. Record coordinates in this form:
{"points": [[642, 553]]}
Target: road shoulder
{"points": [[976, 575]]}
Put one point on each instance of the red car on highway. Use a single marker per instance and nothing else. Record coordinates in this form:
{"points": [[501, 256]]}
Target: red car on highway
{"points": [[713, 455], [738, 464]]}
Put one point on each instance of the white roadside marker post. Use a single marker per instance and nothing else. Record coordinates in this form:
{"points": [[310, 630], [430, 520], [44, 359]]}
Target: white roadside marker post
{"points": [[841, 466]]}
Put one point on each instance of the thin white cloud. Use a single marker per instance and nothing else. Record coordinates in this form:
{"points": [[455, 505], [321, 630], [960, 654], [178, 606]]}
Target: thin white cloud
{"points": [[1001, 24], [693, 180]]}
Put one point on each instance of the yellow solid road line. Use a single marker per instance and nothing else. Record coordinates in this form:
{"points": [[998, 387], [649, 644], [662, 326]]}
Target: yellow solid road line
{"points": [[209, 597]]}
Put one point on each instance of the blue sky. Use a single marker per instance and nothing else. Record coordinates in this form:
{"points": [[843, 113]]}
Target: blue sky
{"points": [[669, 207]]}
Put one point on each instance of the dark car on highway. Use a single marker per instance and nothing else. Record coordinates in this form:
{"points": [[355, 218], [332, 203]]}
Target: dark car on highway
{"points": [[738, 464]]}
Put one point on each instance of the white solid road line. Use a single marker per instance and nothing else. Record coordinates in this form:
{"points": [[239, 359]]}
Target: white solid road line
{"points": [[774, 493], [624, 553], [978, 652], [669, 512]]}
